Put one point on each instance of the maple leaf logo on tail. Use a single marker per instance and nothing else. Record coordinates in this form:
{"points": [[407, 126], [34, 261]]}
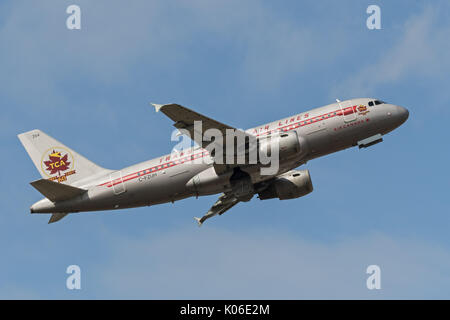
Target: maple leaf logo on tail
{"points": [[57, 163]]}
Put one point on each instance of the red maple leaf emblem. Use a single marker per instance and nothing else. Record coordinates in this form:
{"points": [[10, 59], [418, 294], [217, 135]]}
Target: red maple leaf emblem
{"points": [[57, 163]]}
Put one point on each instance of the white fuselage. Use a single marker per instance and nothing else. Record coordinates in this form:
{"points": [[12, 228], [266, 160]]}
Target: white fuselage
{"points": [[326, 130]]}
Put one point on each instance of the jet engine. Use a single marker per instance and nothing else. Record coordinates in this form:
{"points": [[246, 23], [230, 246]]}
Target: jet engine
{"points": [[289, 144], [289, 185], [209, 182]]}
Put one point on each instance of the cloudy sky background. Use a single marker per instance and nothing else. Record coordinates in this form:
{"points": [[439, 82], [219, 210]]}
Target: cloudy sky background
{"points": [[242, 63]]}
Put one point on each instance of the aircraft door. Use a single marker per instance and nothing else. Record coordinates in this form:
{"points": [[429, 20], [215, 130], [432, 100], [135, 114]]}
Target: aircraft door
{"points": [[117, 182], [348, 113]]}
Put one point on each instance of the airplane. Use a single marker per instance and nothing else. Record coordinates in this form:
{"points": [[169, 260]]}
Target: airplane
{"points": [[71, 183]]}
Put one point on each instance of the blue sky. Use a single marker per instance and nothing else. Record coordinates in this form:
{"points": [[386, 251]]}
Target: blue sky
{"points": [[242, 63]]}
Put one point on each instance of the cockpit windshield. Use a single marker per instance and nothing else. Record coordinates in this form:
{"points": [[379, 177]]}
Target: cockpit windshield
{"points": [[376, 102]]}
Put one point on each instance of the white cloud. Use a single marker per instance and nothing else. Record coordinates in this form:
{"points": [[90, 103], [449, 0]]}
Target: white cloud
{"points": [[267, 46], [41, 55], [421, 53], [212, 263]]}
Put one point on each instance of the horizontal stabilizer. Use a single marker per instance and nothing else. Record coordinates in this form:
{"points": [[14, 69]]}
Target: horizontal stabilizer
{"points": [[55, 191], [57, 216]]}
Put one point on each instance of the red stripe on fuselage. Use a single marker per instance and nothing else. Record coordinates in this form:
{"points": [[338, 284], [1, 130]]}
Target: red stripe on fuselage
{"points": [[159, 167]]}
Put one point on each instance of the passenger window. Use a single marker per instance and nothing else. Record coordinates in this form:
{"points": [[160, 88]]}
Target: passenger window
{"points": [[370, 103]]}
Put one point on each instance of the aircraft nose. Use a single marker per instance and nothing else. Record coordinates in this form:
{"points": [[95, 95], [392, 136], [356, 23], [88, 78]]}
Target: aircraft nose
{"points": [[402, 114]]}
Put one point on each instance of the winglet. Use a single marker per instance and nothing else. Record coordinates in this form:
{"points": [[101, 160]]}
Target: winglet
{"points": [[157, 106], [199, 221]]}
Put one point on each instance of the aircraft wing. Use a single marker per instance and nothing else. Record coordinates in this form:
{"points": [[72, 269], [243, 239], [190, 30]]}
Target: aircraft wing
{"points": [[184, 120], [224, 203]]}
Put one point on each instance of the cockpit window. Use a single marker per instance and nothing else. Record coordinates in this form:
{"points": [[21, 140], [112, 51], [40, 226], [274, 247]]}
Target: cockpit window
{"points": [[376, 102]]}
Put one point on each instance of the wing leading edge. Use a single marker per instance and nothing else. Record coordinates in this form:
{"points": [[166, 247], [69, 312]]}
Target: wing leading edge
{"points": [[185, 119]]}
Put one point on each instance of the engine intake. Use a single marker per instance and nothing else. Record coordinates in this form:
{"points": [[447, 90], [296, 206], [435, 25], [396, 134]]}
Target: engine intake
{"points": [[289, 185]]}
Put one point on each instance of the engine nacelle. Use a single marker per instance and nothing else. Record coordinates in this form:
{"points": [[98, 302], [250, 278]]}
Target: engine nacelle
{"points": [[289, 144], [237, 182], [209, 182], [289, 185]]}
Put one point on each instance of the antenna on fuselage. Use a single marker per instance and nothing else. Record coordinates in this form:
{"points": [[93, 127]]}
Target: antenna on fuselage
{"points": [[338, 101]]}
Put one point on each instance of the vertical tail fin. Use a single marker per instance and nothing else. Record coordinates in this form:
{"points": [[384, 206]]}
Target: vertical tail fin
{"points": [[55, 161]]}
